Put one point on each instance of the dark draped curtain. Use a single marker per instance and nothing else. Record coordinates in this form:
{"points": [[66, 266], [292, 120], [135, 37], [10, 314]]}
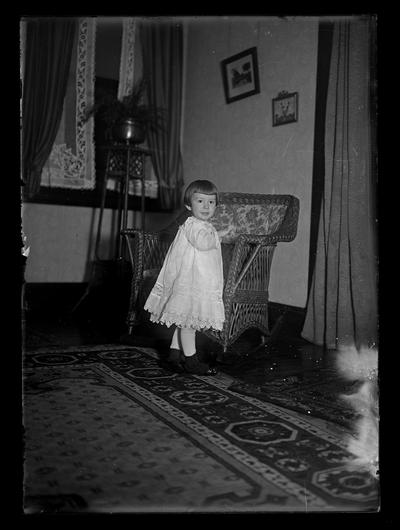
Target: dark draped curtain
{"points": [[325, 33], [162, 48], [342, 304], [48, 51]]}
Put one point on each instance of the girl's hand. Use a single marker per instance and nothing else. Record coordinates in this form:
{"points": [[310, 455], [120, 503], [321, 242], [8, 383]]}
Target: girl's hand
{"points": [[223, 233]]}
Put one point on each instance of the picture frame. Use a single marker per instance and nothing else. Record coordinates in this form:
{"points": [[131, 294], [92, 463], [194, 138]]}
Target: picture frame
{"points": [[285, 108], [240, 75]]}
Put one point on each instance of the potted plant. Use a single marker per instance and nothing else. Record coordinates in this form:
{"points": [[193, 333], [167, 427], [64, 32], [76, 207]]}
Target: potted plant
{"points": [[128, 118]]}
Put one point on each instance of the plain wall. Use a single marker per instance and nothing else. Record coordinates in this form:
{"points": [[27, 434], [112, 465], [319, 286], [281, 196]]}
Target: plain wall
{"points": [[235, 145], [62, 239]]}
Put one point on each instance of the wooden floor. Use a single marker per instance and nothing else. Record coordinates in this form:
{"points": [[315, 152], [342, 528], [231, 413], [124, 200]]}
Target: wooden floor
{"points": [[97, 316], [285, 352]]}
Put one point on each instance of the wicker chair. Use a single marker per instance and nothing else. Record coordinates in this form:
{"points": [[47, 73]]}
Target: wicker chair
{"points": [[260, 221]]}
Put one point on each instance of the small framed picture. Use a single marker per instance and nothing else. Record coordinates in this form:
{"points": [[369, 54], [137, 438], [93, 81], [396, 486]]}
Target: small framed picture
{"points": [[240, 75], [285, 108]]}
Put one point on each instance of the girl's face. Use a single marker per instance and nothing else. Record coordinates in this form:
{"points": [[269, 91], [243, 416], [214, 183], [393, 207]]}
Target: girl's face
{"points": [[203, 206]]}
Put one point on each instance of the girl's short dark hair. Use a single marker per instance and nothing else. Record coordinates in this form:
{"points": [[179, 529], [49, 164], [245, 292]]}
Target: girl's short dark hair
{"points": [[199, 186]]}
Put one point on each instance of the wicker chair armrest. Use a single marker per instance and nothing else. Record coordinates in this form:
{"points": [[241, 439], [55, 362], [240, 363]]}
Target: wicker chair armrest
{"points": [[131, 231], [288, 228], [143, 237], [137, 232], [148, 249], [254, 239]]}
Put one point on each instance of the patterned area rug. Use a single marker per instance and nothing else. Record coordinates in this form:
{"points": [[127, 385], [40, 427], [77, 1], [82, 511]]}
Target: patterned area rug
{"points": [[315, 392], [107, 429]]}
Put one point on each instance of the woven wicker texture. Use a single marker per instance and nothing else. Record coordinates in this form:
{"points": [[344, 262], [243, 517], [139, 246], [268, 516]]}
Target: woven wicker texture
{"points": [[260, 222]]}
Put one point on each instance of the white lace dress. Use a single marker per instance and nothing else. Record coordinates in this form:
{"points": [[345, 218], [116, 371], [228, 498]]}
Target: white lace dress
{"points": [[188, 290]]}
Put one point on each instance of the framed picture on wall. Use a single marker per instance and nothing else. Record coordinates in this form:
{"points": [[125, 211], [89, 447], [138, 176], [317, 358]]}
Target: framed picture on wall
{"points": [[240, 75], [285, 108]]}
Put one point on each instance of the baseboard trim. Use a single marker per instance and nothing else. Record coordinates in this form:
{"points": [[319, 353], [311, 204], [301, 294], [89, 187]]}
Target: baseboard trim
{"points": [[284, 308], [292, 319]]}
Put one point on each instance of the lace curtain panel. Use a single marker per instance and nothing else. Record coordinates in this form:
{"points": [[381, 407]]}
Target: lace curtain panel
{"points": [[71, 163], [127, 63]]}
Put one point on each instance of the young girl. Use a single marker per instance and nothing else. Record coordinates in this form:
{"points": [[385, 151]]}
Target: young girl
{"points": [[188, 290]]}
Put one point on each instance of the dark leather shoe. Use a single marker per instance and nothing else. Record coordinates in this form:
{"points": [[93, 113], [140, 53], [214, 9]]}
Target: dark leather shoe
{"points": [[193, 365], [176, 360]]}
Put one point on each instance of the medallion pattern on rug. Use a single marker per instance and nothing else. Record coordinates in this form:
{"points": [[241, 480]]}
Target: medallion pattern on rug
{"points": [[111, 425]]}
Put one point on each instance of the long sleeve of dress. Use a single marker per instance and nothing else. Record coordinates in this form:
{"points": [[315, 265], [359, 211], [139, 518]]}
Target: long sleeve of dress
{"points": [[200, 236]]}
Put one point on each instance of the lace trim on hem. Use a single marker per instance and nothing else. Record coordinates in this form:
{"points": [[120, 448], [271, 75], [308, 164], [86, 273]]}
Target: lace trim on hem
{"points": [[187, 322]]}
